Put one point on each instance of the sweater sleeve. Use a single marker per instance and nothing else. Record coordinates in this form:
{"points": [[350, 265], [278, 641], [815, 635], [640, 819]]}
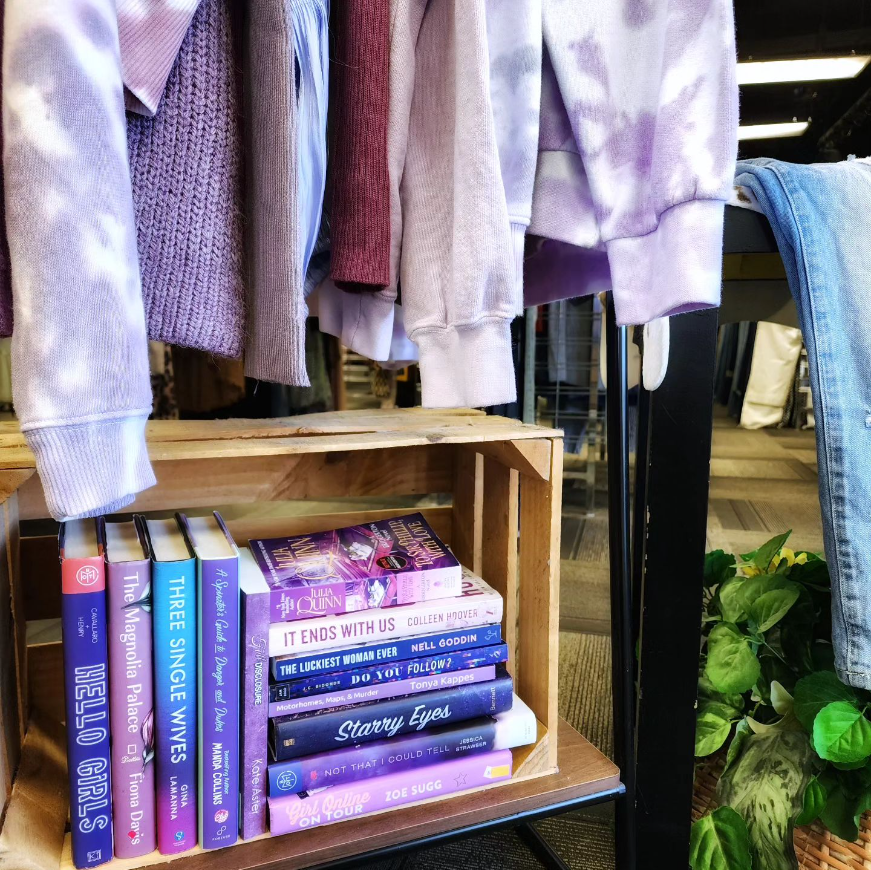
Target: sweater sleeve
{"points": [[80, 357], [651, 93]]}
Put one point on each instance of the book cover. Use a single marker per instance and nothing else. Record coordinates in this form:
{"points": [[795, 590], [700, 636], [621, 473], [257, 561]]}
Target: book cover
{"points": [[174, 594], [476, 605], [131, 698], [311, 809], [389, 673], [296, 665], [513, 728], [218, 683], [375, 692], [254, 721], [86, 682], [380, 564], [307, 733]]}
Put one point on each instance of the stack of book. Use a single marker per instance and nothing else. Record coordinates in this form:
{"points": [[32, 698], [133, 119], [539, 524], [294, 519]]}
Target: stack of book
{"points": [[388, 682]]}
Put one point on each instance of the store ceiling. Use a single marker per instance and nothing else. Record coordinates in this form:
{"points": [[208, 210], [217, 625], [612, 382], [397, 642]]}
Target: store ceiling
{"points": [[839, 111]]}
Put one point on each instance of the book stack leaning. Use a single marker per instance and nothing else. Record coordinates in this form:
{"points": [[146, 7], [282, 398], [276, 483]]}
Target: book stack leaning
{"points": [[373, 676]]}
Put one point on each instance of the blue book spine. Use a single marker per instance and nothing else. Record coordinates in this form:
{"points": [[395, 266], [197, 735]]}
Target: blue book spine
{"points": [[297, 665], [218, 595], [306, 733], [389, 673], [86, 679], [175, 704]]}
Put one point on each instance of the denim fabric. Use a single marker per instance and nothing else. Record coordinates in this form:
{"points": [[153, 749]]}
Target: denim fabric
{"points": [[821, 217], [311, 46]]}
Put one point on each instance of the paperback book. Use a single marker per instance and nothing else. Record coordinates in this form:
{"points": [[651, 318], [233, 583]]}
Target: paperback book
{"points": [[311, 809], [86, 681], [508, 730], [131, 699], [376, 674], [476, 605], [381, 564], [375, 692], [307, 733], [174, 581], [297, 665]]}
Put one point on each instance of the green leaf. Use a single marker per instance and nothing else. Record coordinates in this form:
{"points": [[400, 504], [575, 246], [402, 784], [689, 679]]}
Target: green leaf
{"points": [[770, 607], [753, 587], [763, 556], [719, 841], [840, 813], [711, 733], [707, 692], [742, 732], [814, 572], [850, 765], [781, 700], [729, 600], [814, 692], [731, 664], [718, 708], [765, 786], [842, 733], [719, 567], [814, 802]]}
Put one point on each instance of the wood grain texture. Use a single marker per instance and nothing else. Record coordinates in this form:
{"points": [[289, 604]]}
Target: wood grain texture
{"points": [[499, 545], [583, 770], [528, 457], [45, 680], [468, 504]]}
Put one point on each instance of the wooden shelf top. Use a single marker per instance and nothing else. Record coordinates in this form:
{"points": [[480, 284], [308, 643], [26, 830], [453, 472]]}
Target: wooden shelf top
{"points": [[312, 433]]}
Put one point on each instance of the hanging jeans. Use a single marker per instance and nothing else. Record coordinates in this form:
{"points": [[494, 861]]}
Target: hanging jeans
{"points": [[821, 217]]}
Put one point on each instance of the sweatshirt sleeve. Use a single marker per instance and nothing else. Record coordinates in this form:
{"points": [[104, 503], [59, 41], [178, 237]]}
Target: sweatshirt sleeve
{"points": [[81, 383], [651, 93]]}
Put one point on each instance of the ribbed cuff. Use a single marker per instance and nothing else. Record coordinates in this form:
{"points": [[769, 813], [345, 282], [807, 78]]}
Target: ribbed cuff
{"points": [[279, 356], [467, 366], [675, 268], [91, 468], [518, 241]]}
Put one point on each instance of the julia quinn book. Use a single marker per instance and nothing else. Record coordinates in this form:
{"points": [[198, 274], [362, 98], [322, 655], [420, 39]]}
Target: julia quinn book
{"points": [[311, 809], [86, 681], [131, 697], [476, 605], [380, 564], [218, 683], [174, 594], [307, 733], [513, 728]]}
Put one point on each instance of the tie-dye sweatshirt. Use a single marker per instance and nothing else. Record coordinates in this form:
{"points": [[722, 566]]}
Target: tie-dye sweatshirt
{"points": [[638, 143]]}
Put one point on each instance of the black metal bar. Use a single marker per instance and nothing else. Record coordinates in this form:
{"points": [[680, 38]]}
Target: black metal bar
{"points": [[680, 452], [622, 638], [546, 854], [639, 507]]}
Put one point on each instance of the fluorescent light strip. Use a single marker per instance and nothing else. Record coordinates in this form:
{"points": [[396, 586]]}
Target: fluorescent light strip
{"points": [[808, 69], [771, 131]]}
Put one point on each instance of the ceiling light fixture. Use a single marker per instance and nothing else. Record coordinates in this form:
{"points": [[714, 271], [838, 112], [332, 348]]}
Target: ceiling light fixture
{"points": [[771, 131], [807, 69]]}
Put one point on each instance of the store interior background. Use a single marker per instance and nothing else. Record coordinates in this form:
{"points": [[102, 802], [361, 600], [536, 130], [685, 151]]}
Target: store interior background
{"points": [[763, 479]]}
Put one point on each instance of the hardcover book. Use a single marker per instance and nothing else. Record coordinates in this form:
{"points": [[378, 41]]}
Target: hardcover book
{"points": [[514, 727], [296, 665], [131, 698], [381, 564], [375, 692], [476, 605], [86, 681], [307, 733], [311, 809], [218, 684], [254, 721], [389, 673], [174, 590]]}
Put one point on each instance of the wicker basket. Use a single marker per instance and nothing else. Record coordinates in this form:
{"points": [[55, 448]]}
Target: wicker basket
{"points": [[815, 847]]}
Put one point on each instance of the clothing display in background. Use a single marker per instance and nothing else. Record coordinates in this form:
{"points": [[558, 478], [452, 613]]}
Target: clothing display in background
{"points": [[744, 342], [772, 374], [820, 218]]}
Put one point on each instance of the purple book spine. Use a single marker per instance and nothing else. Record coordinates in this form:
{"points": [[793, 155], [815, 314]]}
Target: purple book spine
{"points": [[131, 707], [219, 702], [255, 721], [334, 804], [365, 694]]}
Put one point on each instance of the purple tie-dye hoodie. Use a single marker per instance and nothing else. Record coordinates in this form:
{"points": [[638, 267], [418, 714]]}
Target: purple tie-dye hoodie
{"points": [[638, 140]]}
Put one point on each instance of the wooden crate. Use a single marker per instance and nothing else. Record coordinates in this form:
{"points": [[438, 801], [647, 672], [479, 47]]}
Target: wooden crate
{"points": [[497, 488]]}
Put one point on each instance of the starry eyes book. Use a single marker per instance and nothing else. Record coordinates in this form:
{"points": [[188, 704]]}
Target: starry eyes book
{"points": [[381, 564], [131, 700]]}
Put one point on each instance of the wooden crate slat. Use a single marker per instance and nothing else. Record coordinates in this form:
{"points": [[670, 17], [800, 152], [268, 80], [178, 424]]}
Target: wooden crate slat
{"points": [[468, 508]]}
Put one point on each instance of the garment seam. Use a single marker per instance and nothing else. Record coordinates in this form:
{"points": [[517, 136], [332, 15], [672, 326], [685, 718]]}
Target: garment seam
{"points": [[707, 200], [456, 327], [81, 422]]}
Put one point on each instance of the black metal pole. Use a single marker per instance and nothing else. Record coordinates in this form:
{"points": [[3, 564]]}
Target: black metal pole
{"points": [[622, 639], [639, 507]]}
